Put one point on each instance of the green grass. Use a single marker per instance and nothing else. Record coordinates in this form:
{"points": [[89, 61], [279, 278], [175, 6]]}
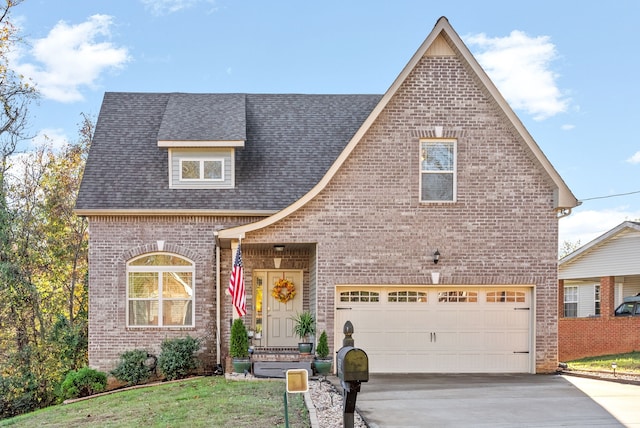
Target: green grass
{"points": [[208, 401], [626, 363]]}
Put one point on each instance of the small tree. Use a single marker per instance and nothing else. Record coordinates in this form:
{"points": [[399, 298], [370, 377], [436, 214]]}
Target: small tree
{"points": [[322, 350], [239, 347]]}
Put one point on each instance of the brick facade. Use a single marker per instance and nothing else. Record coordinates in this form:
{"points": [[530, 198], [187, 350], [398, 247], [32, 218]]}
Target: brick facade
{"points": [[115, 240], [606, 334], [370, 227], [367, 226]]}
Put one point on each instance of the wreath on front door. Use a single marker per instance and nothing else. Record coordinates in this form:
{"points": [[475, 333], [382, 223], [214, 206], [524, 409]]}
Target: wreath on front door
{"points": [[283, 290]]}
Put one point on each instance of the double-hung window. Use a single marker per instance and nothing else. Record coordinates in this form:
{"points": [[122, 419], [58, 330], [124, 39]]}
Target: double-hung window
{"points": [[438, 170], [571, 302], [211, 169], [160, 291]]}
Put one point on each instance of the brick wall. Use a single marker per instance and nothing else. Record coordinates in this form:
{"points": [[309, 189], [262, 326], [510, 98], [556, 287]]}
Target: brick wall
{"points": [[370, 227], [606, 334], [115, 240], [589, 337]]}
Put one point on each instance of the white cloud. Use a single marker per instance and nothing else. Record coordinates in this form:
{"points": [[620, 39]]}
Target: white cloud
{"points": [[165, 7], [71, 57], [586, 226], [520, 66], [567, 127], [635, 158]]}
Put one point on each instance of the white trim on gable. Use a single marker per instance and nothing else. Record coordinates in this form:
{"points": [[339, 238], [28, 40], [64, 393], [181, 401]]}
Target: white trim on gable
{"points": [[564, 200]]}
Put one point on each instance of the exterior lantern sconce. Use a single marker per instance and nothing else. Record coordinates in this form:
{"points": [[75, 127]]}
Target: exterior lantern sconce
{"points": [[277, 260], [436, 257]]}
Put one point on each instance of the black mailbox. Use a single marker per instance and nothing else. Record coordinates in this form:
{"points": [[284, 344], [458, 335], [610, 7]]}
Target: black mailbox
{"points": [[353, 365]]}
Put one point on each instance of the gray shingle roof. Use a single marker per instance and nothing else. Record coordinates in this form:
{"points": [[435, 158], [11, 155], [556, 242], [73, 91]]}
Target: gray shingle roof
{"points": [[291, 141], [204, 117]]}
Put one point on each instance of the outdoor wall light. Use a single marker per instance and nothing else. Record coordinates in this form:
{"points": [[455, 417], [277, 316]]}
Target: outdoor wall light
{"points": [[278, 248], [436, 257]]}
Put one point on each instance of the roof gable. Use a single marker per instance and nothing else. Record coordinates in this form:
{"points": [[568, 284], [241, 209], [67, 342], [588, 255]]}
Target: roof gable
{"points": [[612, 254], [442, 41]]}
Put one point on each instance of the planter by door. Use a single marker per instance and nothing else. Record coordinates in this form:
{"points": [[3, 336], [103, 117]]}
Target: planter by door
{"points": [[323, 366], [241, 365], [305, 348]]}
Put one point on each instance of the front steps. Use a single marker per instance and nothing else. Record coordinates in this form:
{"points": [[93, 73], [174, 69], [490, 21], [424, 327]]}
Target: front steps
{"points": [[274, 362]]}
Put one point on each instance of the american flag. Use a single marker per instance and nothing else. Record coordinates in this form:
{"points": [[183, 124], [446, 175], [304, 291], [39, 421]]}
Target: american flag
{"points": [[236, 285]]}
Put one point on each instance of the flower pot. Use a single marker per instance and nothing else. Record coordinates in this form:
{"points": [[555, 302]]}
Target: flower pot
{"points": [[323, 366], [241, 365], [305, 348]]}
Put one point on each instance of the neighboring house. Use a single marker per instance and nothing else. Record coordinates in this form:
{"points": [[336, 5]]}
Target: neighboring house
{"points": [[593, 280], [348, 197]]}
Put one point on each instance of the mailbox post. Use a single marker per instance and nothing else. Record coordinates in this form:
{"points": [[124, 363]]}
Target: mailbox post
{"points": [[353, 369]]}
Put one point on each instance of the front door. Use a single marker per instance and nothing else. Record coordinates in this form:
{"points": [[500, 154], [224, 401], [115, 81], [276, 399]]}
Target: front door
{"points": [[273, 317]]}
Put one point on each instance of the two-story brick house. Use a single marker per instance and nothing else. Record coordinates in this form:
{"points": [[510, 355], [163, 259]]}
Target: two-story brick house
{"points": [[347, 196]]}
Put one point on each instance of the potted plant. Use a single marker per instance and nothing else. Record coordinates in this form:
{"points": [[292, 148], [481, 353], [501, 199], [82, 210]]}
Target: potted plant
{"points": [[322, 362], [304, 325], [239, 347]]}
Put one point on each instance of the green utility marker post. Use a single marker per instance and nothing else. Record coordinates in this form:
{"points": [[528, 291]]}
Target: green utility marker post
{"points": [[297, 383]]}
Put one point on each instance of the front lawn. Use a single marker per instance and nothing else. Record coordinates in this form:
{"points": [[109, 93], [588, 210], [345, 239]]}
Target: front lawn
{"points": [[201, 402], [629, 363]]}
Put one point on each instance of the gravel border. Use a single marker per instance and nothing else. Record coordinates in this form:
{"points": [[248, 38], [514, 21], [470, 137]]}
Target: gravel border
{"points": [[323, 401]]}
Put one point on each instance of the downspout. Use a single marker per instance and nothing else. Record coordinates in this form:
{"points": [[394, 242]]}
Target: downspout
{"points": [[218, 359]]}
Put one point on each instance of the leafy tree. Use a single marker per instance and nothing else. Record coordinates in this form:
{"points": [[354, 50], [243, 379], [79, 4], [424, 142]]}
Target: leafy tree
{"points": [[43, 272], [568, 247]]}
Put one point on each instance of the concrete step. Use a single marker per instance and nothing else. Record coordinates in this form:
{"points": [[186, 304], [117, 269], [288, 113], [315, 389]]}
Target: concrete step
{"points": [[278, 369]]}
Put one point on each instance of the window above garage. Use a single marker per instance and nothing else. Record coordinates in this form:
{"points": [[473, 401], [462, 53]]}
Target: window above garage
{"points": [[438, 170]]}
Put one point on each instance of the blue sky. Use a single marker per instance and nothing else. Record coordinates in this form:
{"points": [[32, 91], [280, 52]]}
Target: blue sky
{"points": [[568, 68]]}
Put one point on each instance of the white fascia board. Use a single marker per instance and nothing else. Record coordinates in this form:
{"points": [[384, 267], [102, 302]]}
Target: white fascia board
{"points": [[200, 143]]}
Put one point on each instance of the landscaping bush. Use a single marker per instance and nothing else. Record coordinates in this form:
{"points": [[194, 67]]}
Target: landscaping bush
{"points": [[132, 367], [177, 357], [83, 382]]}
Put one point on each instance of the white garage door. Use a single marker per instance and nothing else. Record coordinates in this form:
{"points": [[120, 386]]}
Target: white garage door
{"points": [[439, 330]]}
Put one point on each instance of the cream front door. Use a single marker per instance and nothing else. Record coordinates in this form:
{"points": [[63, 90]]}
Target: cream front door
{"points": [[277, 329]]}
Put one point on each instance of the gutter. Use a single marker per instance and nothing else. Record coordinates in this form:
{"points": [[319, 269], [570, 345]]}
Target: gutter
{"points": [[218, 344]]}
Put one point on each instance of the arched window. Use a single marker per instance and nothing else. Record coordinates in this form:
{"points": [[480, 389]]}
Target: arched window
{"points": [[160, 291]]}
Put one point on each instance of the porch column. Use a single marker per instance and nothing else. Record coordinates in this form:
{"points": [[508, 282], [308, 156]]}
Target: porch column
{"points": [[607, 296]]}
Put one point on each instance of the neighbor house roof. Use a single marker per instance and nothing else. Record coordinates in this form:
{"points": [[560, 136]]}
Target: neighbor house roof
{"points": [[613, 253], [291, 140]]}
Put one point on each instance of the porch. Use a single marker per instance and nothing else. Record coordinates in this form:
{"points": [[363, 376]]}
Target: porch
{"points": [[273, 362]]}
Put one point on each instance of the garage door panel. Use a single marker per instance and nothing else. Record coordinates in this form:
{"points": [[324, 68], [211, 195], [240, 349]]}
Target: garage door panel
{"points": [[418, 340], [470, 318], [489, 334]]}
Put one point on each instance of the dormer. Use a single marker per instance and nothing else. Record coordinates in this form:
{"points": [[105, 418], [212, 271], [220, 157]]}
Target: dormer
{"points": [[201, 133]]}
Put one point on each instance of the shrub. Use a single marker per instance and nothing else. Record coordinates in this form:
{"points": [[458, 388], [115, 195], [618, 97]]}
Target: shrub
{"points": [[323, 345], [132, 367], [239, 347], [177, 357], [83, 382]]}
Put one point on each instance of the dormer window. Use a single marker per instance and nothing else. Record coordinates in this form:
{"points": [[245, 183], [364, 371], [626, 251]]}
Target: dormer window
{"points": [[201, 168], [206, 169]]}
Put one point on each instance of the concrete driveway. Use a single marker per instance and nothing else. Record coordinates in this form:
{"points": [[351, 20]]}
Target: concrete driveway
{"points": [[508, 400]]}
